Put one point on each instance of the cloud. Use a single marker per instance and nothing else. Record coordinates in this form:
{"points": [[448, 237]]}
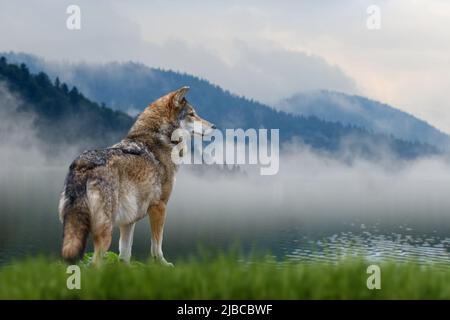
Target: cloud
{"points": [[258, 48], [256, 68], [312, 187], [18, 142], [20, 145], [265, 74]]}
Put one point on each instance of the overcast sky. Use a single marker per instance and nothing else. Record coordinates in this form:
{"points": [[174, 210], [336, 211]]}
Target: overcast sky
{"points": [[264, 50]]}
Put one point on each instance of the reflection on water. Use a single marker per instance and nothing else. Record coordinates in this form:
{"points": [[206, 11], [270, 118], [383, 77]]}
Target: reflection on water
{"points": [[373, 245], [199, 215]]}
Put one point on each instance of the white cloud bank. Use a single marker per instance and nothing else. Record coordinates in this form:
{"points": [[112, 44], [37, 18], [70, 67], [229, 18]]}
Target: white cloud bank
{"points": [[266, 50]]}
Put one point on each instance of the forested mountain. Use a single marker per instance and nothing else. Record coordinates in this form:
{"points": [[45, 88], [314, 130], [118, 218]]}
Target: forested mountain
{"points": [[365, 113], [130, 87], [67, 115], [62, 115]]}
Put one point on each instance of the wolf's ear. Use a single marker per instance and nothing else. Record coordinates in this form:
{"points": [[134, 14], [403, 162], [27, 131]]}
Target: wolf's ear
{"points": [[179, 94]]}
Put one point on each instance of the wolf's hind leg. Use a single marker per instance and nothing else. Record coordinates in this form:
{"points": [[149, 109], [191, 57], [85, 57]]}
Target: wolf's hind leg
{"points": [[157, 215], [102, 202], [102, 240], [126, 242]]}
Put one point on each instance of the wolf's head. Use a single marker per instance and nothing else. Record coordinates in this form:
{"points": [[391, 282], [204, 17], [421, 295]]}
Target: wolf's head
{"points": [[167, 114], [187, 118]]}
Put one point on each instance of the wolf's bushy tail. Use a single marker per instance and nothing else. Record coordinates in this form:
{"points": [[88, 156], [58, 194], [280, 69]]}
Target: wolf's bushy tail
{"points": [[75, 232]]}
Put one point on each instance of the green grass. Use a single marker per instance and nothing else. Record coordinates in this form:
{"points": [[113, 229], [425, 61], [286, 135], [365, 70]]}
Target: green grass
{"points": [[221, 277]]}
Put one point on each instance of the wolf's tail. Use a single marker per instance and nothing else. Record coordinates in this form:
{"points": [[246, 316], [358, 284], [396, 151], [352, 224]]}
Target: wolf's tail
{"points": [[75, 232]]}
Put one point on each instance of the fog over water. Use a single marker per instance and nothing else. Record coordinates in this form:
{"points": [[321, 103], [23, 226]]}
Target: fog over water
{"points": [[314, 203]]}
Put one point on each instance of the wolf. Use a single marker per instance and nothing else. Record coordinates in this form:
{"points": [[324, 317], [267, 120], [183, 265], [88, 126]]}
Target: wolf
{"points": [[122, 184]]}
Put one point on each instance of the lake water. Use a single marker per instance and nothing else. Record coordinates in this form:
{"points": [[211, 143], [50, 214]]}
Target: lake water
{"points": [[293, 217]]}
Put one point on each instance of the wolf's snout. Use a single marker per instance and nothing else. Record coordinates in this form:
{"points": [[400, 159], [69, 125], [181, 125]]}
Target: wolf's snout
{"points": [[208, 129]]}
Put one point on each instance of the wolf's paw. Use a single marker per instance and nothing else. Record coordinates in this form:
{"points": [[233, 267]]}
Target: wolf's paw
{"points": [[124, 259], [125, 262], [163, 262]]}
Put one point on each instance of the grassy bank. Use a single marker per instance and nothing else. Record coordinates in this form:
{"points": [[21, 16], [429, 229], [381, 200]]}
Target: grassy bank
{"points": [[221, 277]]}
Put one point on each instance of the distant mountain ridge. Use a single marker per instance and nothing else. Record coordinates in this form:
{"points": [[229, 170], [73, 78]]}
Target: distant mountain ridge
{"points": [[362, 112], [125, 86]]}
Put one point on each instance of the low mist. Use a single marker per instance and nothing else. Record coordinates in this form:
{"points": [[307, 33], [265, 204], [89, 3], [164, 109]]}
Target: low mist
{"points": [[312, 192]]}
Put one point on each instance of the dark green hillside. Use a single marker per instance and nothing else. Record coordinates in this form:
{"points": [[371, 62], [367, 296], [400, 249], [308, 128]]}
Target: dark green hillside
{"points": [[62, 115]]}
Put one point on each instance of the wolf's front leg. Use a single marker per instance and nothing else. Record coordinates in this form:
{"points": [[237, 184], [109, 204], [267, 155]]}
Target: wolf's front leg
{"points": [[126, 242], [157, 215]]}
